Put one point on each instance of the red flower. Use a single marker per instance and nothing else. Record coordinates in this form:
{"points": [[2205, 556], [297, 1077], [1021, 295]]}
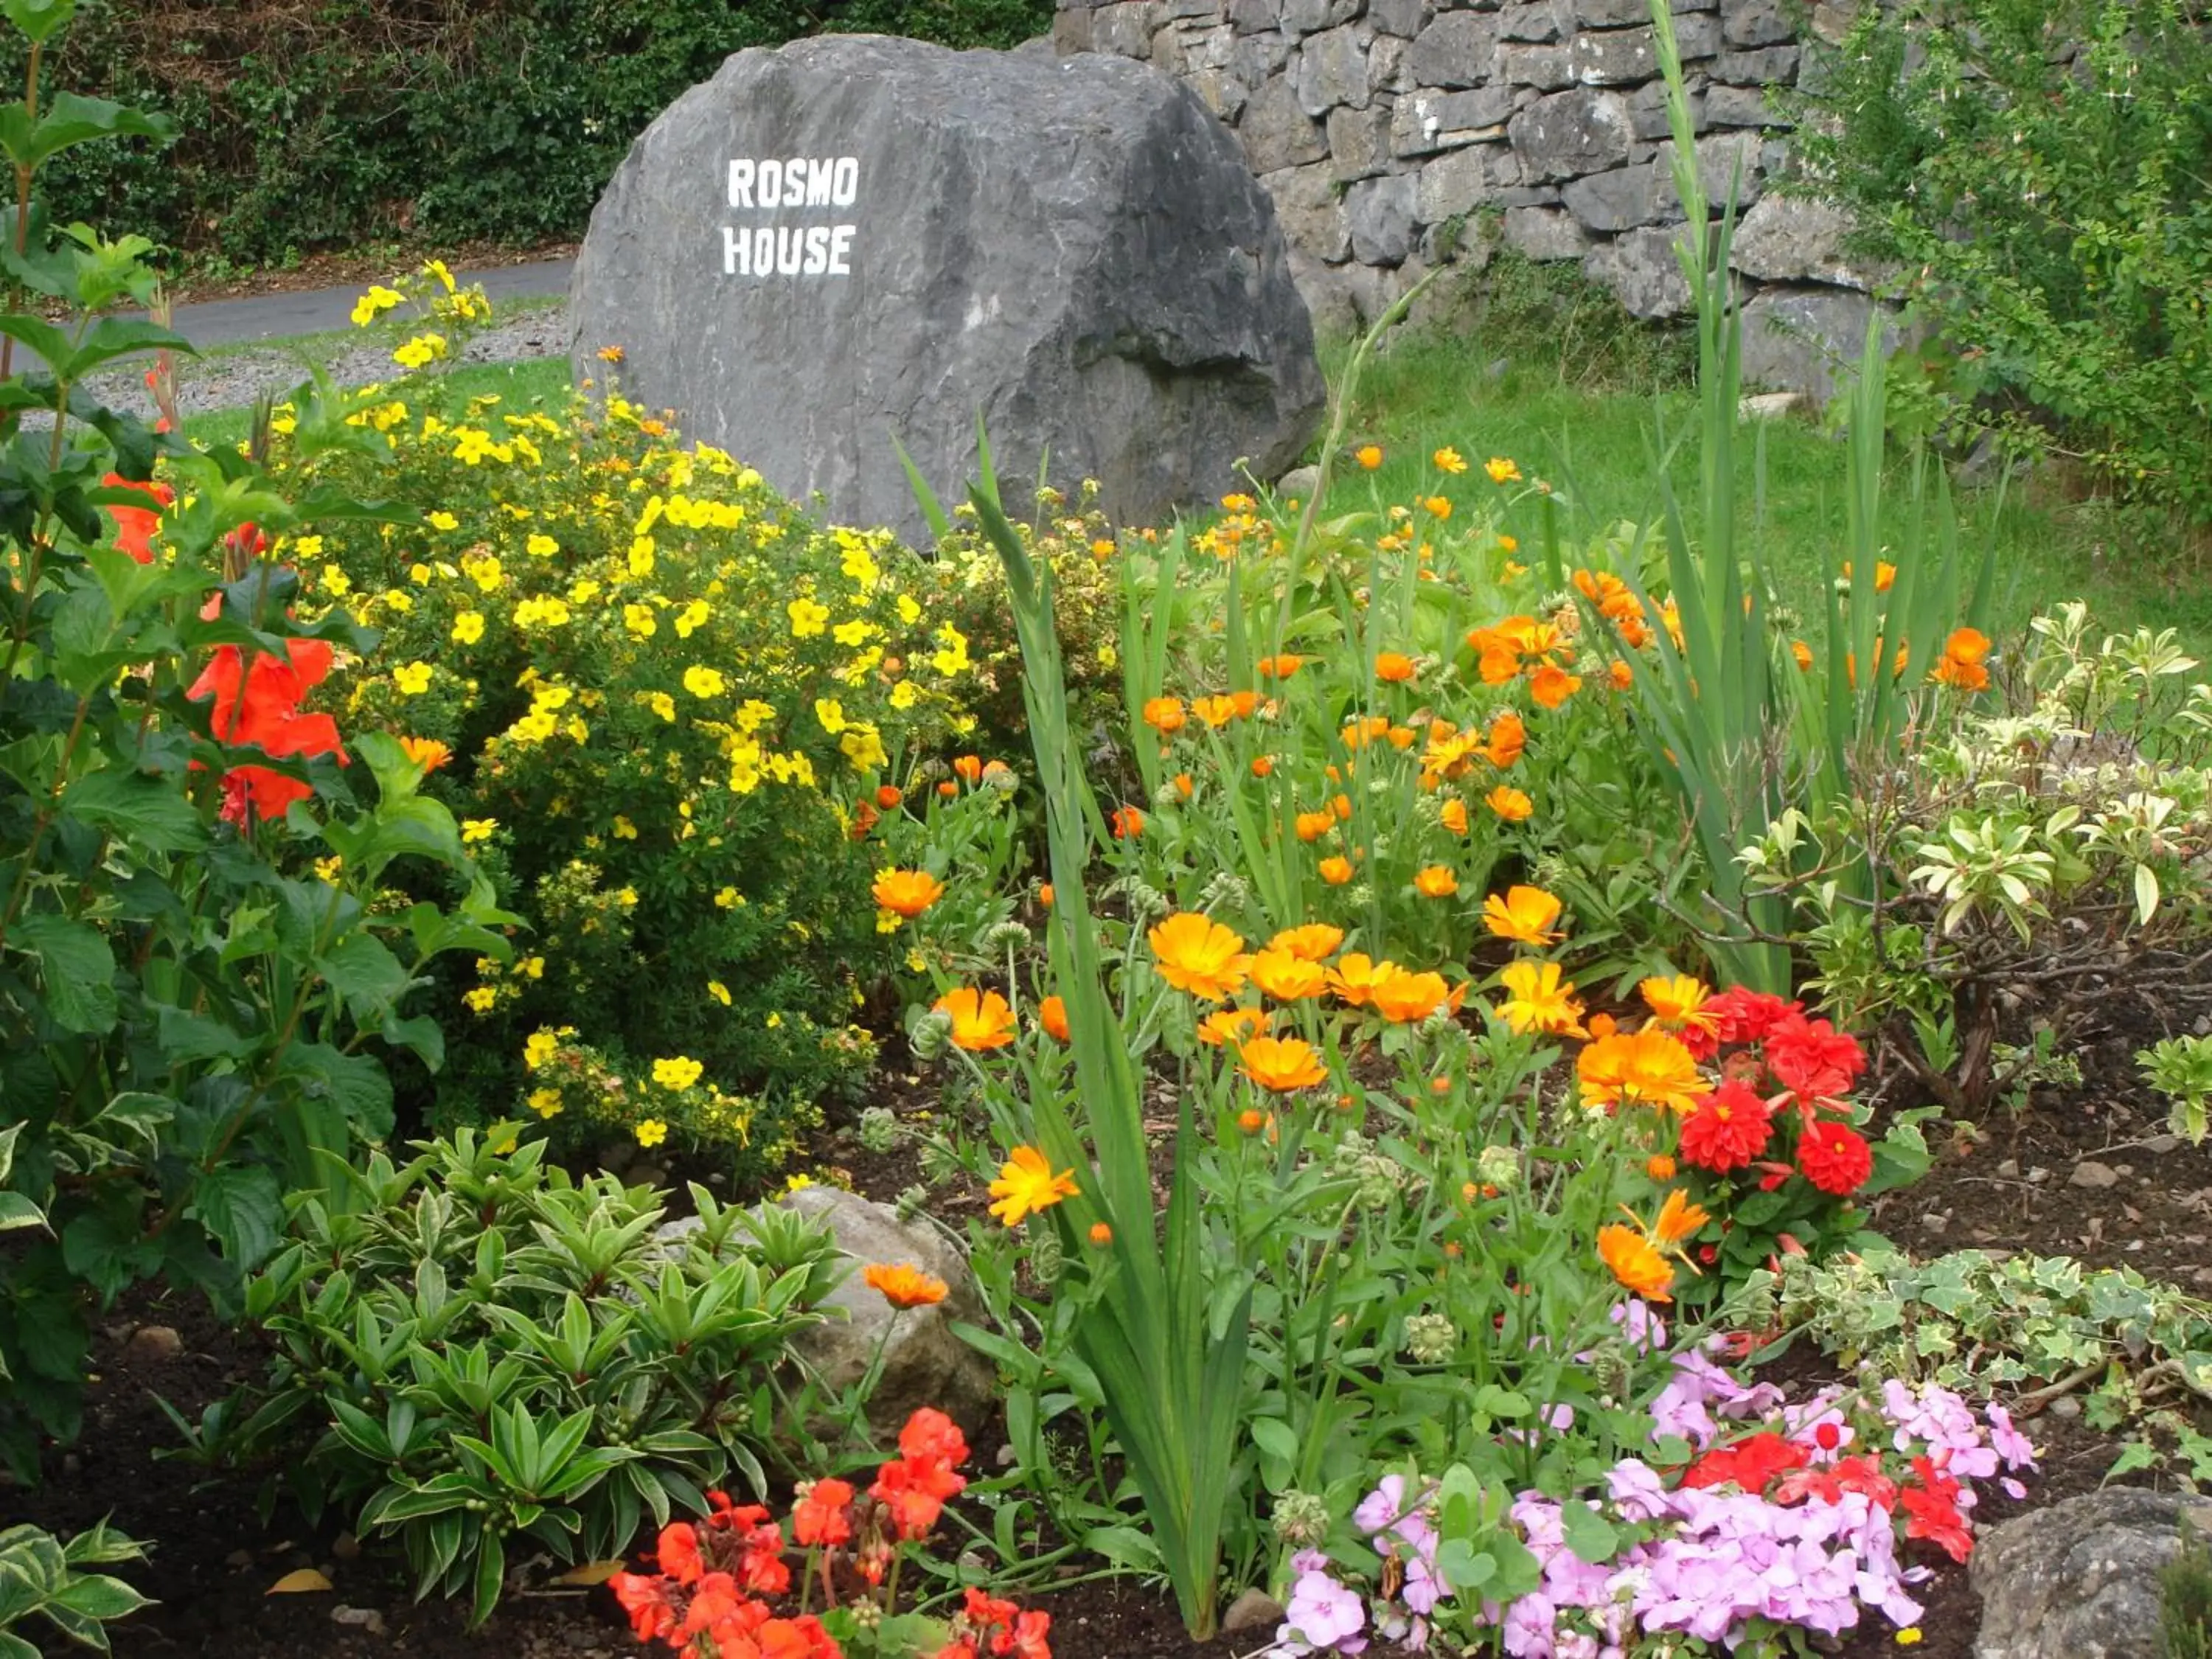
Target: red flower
{"points": [[679, 1553], [1747, 1016], [716, 1603], [1025, 1639], [1726, 1129], [821, 1517], [1932, 1511], [959, 1649], [134, 525], [650, 1601], [1859, 1474], [930, 1433], [259, 706], [914, 1489], [983, 1611], [1750, 1463], [1812, 1058], [1834, 1158]]}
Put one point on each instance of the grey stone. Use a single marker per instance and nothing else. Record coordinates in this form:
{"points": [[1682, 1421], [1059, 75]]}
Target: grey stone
{"points": [[1299, 484], [1358, 143], [1193, 11], [1254, 1610], [1738, 107], [1613, 58], [1643, 272], [1310, 204], [1276, 133], [1544, 233], [1611, 13], [1647, 109], [1541, 23], [1381, 212], [1452, 187], [1760, 66], [1126, 29], [1403, 18], [1570, 133], [1388, 68], [1333, 70], [1525, 196], [1416, 129], [1256, 16], [1698, 36], [1726, 161], [1169, 53], [1772, 406], [1615, 201], [1791, 239], [1832, 22], [1476, 111], [1457, 49], [2079, 1579], [1311, 16], [1071, 30], [2093, 1176], [1257, 59], [1072, 247], [1808, 339], [1543, 67], [1756, 23], [1219, 91], [1343, 298]]}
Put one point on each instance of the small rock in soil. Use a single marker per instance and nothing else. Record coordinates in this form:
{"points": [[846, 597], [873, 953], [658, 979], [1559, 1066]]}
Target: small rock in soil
{"points": [[2009, 1168], [345, 1547], [367, 1618], [153, 1342], [2160, 1145], [2091, 1174], [1933, 1222], [2066, 1406], [1254, 1610], [2038, 1175]]}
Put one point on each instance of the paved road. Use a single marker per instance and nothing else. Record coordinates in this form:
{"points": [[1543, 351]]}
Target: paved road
{"points": [[318, 311]]}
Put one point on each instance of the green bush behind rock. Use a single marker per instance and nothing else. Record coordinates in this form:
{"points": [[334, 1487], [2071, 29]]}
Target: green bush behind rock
{"points": [[303, 126]]}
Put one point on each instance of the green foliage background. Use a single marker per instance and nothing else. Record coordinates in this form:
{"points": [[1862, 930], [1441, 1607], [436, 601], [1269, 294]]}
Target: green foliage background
{"points": [[312, 122]]}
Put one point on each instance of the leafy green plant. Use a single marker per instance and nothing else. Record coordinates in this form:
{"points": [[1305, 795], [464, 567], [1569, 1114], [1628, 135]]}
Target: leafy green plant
{"points": [[46, 1578], [2185, 1586], [2180, 1068], [476, 1354]]}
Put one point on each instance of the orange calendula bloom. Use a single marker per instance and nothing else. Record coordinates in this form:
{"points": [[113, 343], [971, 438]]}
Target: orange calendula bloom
{"points": [[1044, 895], [1454, 816], [1052, 1014], [970, 767], [1287, 978], [1551, 685], [888, 796], [1510, 804], [1509, 736], [1316, 941], [1281, 1064], [1404, 998], [1128, 823], [1341, 806], [906, 892], [1659, 1167], [1197, 954], [1539, 1000], [1101, 1234], [1263, 766], [1679, 1219], [1393, 667], [428, 753], [1633, 1261], [1216, 712], [1336, 871], [1026, 1186], [1355, 977], [1185, 786], [1501, 471], [1801, 653], [1281, 667], [1164, 715], [1679, 1002], [1370, 457], [903, 1284], [1963, 664], [980, 1019], [1436, 881], [1524, 915], [1312, 826], [1646, 1068], [1232, 1027], [1620, 676]]}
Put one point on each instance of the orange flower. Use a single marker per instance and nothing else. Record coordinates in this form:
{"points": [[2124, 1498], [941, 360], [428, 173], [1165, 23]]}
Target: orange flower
{"points": [[948, 789], [1281, 1064], [1454, 816], [1659, 1167], [1502, 471], [1801, 653], [1026, 1186], [1394, 668], [1509, 736], [1679, 1003], [1101, 1234], [1633, 1262], [1287, 978], [1355, 977], [1336, 870], [1263, 766], [1315, 942], [1230, 1026], [1216, 712], [1620, 677], [426, 752], [1044, 895], [1403, 998], [1647, 1067], [1552, 685], [970, 767], [888, 796], [1281, 667], [904, 1285], [980, 1019], [1251, 1120], [1539, 1000], [1246, 703], [1510, 804], [1341, 806], [906, 892], [1164, 715], [1184, 786], [1312, 826], [1197, 954], [1128, 823], [1370, 457], [1052, 1014], [1436, 881], [1962, 664], [1679, 1219], [1524, 915]]}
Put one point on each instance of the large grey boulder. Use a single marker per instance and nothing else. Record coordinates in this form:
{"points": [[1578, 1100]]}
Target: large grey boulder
{"points": [[2080, 1580], [854, 240], [1810, 339]]}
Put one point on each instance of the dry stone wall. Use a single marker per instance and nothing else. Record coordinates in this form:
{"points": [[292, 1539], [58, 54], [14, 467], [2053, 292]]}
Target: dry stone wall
{"points": [[1396, 134]]}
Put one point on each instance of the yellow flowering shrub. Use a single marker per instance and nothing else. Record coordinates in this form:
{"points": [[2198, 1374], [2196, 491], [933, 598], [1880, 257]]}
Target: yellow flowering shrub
{"points": [[673, 703]]}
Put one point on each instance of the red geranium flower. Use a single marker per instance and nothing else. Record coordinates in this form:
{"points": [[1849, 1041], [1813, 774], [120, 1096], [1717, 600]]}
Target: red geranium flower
{"points": [[822, 1517], [134, 525], [1859, 1474], [1932, 1511], [259, 706], [1835, 1159], [1813, 1059], [930, 1433], [1750, 1463], [1025, 1638], [1726, 1129], [914, 1489], [650, 1601], [679, 1553]]}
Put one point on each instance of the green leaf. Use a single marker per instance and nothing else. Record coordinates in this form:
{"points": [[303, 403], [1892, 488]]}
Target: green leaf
{"points": [[360, 968], [39, 21], [77, 968], [355, 1084], [69, 120], [145, 811], [96, 1596], [1587, 1532], [17, 1211], [243, 1207]]}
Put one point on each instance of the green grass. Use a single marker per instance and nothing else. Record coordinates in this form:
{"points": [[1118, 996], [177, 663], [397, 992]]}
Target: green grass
{"points": [[1598, 448], [530, 382]]}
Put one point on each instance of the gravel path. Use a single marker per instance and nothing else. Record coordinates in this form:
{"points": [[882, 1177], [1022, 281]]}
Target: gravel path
{"points": [[236, 378]]}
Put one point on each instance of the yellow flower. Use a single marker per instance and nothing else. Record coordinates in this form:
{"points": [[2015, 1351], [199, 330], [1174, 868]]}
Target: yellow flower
{"points": [[662, 704], [481, 1000], [807, 618], [702, 682], [1539, 1000], [1287, 976], [538, 1048], [420, 351], [980, 1019], [468, 627], [1281, 1064], [412, 678], [727, 899], [1502, 471], [651, 1131], [719, 991], [334, 583], [831, 713], [677, 1073], [1026, 1186], [540, 545], [624, 829], [1679, 1003], [441, 520], [373, 304], [1648, 1067], [1447, 459], [475, 829], [1510, 804], [1524, 915], [1436, 881], [1197, 954], [546, 1103]]}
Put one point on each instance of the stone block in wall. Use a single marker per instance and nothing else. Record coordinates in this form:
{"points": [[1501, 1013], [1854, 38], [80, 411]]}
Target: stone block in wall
{"points": [[1618, 199], [1541, 24], [1621, 14], [1310, 203], [1071, 30], [1459, 49], [1258, 58], [1476, 111], [1614, 58], [1256, 16], [1698, 36], [1641, 268], [1220, 92], [1546, 233], [1380, 212], [1807, 340], [1647, 107], [1830, 22], [1168, 52], [1403, 18], [1388, 70], [1794, 239], [1756, 23], [1454, 186], [1202, 12], [1759, 66], [1312, 16], [1726, 161], [1342, 298], [1333, 70], [1543, 67], [1359, 142], [1738, 106], [1125, 28], [1526, 196], [1570, 133], [1277, 133]]}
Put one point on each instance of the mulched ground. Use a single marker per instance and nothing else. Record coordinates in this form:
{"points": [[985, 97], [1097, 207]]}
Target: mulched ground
{"points": [[216, 1560]]}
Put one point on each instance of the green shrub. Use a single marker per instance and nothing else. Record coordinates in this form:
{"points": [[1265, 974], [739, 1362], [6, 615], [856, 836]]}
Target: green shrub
{"points": [[2185, 1601], [42, 1575], [303, 127], [476, 1353], [2040, 168]]}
